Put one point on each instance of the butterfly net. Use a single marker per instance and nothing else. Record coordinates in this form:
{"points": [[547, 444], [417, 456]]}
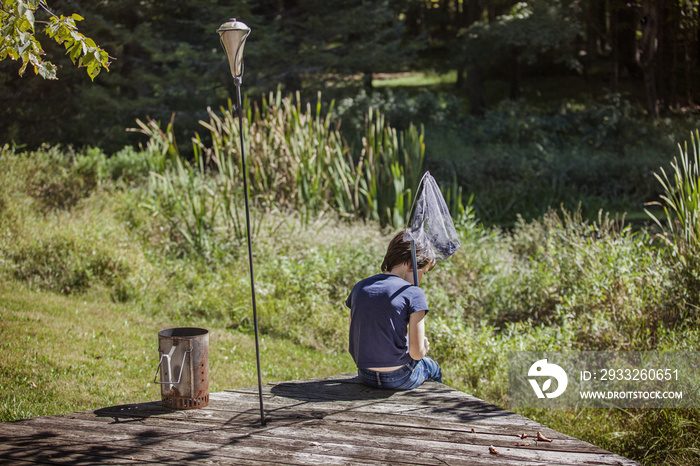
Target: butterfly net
{"points": [[432, 228]]}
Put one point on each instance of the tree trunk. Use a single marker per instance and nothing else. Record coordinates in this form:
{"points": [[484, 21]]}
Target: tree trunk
{"points": [[476, 90], [688, 73], [367, 81], [461, 77], [669, 37], [650, 88], [292, 82], [515, 73], [648, 56], [623, 30], [662, 60], [475, 75], [595, 28]]}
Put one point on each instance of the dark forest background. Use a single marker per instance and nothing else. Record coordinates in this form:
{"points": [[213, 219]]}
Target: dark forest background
{"points": [[168, 57]]}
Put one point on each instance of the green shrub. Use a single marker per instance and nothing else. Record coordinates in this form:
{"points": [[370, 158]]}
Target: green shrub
{"points": [[508, 180], [129, 165], [57, 179], [596, 281], [188, 201], [58, 249], [68, 265], [668, 437], [161, 146]]}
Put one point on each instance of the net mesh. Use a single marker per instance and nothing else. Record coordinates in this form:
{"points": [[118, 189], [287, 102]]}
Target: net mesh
{"points": [[432, 228]]}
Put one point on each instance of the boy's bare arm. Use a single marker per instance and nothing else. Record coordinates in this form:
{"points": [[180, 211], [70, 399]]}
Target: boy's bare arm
{"points": [[418, 344]]}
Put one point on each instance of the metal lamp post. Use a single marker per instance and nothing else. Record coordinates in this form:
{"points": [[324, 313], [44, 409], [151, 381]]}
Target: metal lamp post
{"points": [[233, 34]]}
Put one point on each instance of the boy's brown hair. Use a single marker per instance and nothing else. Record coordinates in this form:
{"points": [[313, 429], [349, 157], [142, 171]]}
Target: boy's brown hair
{"points": [[399, 252]]}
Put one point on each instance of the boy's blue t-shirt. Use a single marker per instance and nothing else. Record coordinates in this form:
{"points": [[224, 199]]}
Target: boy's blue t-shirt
{"points": [[380, 307]]}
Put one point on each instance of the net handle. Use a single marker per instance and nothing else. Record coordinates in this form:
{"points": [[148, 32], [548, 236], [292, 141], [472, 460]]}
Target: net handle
{"points": [[412, 212], [415, 263]]}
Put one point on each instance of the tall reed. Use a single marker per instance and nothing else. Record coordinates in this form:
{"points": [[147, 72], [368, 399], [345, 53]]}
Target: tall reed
{"points": [[390, 167], [202, 200], [292, 150], [187, 200], [681, 206], [298, 159], [161, 145]]}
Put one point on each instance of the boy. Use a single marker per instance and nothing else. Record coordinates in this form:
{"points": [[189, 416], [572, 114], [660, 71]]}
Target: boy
{"points": [[387, 330]]}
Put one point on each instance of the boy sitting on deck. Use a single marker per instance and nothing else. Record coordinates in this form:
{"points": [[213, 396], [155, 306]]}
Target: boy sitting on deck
{"points": [[385, 309]]}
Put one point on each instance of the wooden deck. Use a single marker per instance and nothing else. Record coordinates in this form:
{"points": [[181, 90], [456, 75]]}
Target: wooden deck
{"points": [[331, 420]]}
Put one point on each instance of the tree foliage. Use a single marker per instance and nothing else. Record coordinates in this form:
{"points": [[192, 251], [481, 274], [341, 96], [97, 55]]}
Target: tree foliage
{"points": [[18, 40], [523, 36], [317, 42], [169, 60], [527, 32]]}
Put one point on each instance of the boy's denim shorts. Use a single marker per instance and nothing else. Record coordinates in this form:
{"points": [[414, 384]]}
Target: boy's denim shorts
{"points": [[410, 376]]}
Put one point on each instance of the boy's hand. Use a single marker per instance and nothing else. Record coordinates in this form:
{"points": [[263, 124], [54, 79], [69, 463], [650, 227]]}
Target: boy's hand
{"points": [[426, 344]]}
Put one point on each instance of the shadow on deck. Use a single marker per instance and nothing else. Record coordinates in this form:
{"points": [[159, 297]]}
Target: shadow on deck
{"points": [[334, 420]]}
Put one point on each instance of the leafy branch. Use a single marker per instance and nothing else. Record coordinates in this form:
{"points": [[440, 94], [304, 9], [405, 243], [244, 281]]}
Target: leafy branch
{"points": [[18, 28]]}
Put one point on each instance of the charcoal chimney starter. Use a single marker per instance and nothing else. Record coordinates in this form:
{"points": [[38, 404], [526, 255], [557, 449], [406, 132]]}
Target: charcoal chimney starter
{"points": [[183, 367]]}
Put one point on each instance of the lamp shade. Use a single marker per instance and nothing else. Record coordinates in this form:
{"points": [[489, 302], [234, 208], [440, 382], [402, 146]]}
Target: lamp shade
{"points": [[233, 34]]}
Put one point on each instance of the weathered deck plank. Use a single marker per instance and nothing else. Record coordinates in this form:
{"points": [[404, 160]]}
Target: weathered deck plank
{"points": [[331, 420]]}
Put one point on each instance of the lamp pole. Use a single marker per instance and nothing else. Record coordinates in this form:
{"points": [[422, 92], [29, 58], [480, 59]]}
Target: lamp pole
{"points": [[233, 34]]}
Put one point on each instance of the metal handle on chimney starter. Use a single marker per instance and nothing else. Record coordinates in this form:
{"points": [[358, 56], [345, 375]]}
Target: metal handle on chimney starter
{"points": [[182, 366]]}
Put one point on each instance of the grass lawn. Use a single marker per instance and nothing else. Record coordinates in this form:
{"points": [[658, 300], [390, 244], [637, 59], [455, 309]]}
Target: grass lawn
{"points": [[414, 79], [61, 354]]}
